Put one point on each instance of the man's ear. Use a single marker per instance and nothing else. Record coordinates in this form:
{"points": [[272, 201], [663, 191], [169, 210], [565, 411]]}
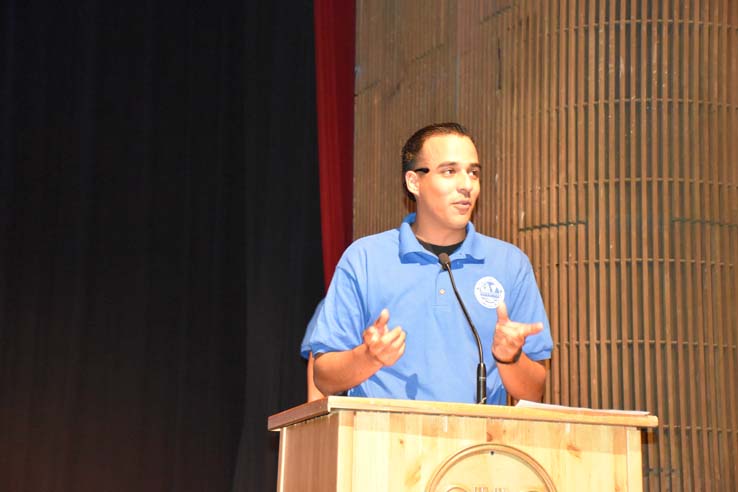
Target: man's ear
{"points": [[411, 181]]}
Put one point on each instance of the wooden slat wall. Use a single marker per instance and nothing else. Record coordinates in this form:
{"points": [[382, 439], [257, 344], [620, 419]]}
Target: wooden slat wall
{"points": [[608, 132]]}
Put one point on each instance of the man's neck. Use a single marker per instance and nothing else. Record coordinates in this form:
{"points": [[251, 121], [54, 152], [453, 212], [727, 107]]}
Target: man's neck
{"points": [[438, 237], [437, 250]]}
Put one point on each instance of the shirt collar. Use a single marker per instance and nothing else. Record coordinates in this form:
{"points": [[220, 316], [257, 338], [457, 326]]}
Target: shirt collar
{"points": [[409, 244]]}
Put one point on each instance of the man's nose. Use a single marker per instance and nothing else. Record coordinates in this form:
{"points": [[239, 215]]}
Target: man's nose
{"points": [[465, 181]]}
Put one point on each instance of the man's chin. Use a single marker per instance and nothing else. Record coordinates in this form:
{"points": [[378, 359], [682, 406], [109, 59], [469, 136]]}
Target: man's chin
{"points": [[461, 222]]}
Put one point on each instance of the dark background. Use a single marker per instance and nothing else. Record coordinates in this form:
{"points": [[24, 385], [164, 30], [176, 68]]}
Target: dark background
{"points": [[159, 241]]}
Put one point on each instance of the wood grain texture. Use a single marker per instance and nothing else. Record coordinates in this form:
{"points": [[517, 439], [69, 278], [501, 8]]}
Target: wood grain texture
{"points": [[357, 444], [608, 133]]}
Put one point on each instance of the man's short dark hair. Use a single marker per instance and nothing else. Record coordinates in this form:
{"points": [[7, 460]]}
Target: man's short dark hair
{"points": [[415, 143]]}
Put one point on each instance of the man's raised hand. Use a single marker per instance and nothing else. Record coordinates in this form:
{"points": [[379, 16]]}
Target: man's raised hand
{"points": [[510, 335], [383, 345]]}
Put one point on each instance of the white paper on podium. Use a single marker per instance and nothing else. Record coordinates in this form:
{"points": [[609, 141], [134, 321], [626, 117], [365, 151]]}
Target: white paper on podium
{"points": [[534, 404]]}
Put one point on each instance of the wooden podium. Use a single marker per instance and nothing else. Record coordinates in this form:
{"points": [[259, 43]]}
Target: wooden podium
{"points": [[364, 444]]}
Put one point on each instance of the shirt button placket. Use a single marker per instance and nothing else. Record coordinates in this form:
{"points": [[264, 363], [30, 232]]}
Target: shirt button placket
{"points": [[443, 289]]}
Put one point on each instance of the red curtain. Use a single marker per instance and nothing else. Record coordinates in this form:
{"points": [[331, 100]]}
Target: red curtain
{"points": [[334, 71]]}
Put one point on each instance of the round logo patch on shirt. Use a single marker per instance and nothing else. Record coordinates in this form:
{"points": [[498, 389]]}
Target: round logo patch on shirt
{"points": [[489, 292]]}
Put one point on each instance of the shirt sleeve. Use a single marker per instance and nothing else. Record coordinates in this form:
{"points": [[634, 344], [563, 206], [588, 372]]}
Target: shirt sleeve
{"points": [[340, 323], [305, 345]]}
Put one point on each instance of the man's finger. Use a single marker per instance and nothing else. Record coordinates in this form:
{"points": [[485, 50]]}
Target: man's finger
{"points": [[502, 313], [370, 335], [530, 328], [396, 347], [381, 323], [391, 336]]}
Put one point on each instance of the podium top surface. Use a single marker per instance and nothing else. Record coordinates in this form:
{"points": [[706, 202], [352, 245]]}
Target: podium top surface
{"points": [[534, 412]]}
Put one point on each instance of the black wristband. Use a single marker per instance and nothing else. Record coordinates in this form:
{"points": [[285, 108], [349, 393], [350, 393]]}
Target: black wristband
{"points": [[515, 358]]}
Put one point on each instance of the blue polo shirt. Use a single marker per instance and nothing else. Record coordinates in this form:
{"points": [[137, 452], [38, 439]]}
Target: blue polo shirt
{"points": [[305, 344], [392, 270]]}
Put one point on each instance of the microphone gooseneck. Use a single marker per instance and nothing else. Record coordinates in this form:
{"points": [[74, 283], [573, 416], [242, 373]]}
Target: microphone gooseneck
{"points": [[481, 368]]}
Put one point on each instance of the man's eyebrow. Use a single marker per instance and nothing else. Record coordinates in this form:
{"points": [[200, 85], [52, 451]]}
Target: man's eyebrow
{"points": [[474, 165], [454, 163]]}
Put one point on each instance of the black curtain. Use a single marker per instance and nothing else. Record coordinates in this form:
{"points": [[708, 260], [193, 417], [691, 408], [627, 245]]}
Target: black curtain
{"points": [[159, 241]]}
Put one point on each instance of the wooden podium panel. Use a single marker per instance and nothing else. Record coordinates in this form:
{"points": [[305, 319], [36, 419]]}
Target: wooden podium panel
{"points": [[364, 444]]}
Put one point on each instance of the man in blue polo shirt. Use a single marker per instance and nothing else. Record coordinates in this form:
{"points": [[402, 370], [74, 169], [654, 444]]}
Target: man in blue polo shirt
{"points": [[431, 353]]}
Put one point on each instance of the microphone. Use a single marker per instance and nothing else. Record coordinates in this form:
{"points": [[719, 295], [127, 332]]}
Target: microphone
{"points": [[481, 368]]}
